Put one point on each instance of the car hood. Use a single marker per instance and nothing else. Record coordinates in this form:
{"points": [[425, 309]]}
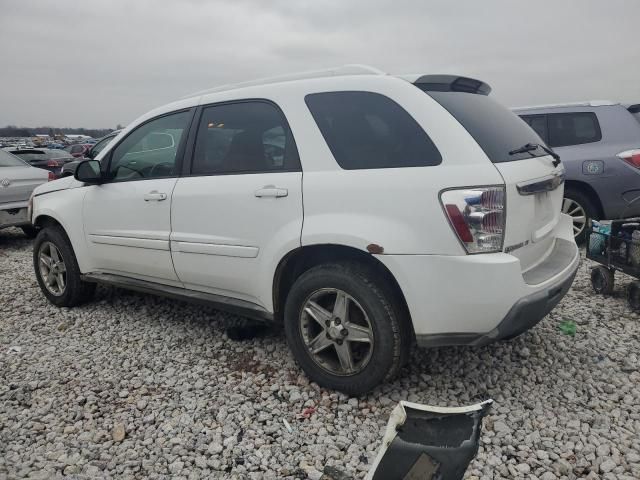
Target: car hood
{"points": [[55, 185]]}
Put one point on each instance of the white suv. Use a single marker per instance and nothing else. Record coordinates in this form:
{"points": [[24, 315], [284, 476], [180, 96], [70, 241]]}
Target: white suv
{"points": [[365, 212]]}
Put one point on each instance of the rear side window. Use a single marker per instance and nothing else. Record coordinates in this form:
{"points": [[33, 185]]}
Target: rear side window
{"points": [[573, 128], [367, 130], [244, 137], [494, 127]]}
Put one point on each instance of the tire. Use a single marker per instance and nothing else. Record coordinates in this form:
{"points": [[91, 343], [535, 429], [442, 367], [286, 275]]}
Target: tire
{"points": [[29, 230], [72, 291], [633, 296], [602, 280], [370, 309], [576, 198]]}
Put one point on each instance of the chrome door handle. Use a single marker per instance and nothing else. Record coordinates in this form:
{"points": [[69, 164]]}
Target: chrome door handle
{"points": [[271, 191], [154, 196]]}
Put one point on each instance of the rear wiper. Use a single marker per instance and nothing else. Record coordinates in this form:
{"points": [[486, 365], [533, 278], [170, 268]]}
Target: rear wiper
{"points": [[530, 147]]}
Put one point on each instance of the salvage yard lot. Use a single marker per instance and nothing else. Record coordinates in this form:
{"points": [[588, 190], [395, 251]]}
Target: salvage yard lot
{"points": [[136, 386]]}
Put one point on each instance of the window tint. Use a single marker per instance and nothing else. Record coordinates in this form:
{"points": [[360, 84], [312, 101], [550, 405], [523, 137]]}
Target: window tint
{"points": [[98, 147], [150, 150], [494, 127], [539, 125], [573, 128], [368, 130], [245, 137]]}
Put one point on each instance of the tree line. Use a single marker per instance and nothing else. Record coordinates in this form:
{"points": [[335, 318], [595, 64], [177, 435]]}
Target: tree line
{"points": [[13, 131]]}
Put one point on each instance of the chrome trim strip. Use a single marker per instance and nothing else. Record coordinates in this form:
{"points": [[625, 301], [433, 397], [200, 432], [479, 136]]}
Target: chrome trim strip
{"points": [[543, 184]]}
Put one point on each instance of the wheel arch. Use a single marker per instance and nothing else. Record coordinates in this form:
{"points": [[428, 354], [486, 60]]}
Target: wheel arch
{"points": [[301, 259], [587, 190]]}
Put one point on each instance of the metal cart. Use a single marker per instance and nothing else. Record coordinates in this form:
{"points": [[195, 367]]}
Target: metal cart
{"points": [[615, 248]]}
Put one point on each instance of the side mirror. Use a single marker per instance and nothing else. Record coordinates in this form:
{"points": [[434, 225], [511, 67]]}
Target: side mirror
{"points": [[88, 171]]}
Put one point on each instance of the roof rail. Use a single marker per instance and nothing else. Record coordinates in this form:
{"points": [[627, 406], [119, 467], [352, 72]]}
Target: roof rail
{"points": [[591, 103], [351, 69]]}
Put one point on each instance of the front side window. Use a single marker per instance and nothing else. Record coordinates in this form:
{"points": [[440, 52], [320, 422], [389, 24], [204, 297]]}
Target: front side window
{"points": [[98, 147], [244, 137], [150, 150], [367, 130], [573, 129]]}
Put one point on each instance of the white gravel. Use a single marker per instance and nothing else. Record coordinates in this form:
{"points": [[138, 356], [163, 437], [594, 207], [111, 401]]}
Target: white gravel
{"points": [[134, 386]]}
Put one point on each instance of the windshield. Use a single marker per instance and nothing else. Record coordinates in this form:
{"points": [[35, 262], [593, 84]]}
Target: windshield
{"points": [[8, 160], [494, 127]]}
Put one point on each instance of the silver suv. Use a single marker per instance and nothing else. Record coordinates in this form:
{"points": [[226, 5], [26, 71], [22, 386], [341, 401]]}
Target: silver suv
{"points": [[599, 144]]}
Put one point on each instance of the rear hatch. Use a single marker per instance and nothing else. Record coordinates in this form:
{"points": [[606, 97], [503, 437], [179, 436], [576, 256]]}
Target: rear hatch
{"points": [[533, 183]]}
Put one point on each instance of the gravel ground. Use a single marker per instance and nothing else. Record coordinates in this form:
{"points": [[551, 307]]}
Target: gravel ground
{"points": [[134, 386]]}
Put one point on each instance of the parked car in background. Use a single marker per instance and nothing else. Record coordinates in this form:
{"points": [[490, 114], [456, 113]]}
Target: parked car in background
{"points": [[599, 144], [428, 216], [17, 181], [70, 168], [48, 159], [79, 149]]}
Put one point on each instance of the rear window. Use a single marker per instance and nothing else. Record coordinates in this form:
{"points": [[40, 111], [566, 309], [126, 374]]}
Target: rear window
{"points": [[573, 128], [30, 155], [366, 130], [8, 160], [495, 128]]}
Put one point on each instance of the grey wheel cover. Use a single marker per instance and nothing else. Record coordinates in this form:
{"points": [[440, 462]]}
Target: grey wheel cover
{"points": [[336, 331], [53, 270], [577, 214]]}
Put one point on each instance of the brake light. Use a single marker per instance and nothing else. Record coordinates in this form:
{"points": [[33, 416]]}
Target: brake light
{"points": [[477, 216], [52, 163], [632, 157], [52, 176]]}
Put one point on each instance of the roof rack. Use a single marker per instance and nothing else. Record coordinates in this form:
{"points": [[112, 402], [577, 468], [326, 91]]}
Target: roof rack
{"points": [[352, 69], [591, 103]]}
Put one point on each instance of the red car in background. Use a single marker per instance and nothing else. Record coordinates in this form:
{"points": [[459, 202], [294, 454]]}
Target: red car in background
{"points": [[79, 149], [45, 158]]}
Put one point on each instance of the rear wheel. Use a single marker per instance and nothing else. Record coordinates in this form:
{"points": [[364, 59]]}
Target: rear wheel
{"points": [[633, 296], [602, 280], [580, 208], [57, 269], [343, 329]]}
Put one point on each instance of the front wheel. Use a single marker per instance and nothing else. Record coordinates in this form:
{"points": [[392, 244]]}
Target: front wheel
{"points": [[57, 270], [343, 328]]}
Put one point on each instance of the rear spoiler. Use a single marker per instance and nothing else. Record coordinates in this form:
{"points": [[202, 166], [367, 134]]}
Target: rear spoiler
{"points": [[452, 83]]}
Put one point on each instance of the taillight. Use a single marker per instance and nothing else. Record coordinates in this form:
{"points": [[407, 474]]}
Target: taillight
{"points": [[632, 157], [52, 163], [52, 176], [477, 216]]}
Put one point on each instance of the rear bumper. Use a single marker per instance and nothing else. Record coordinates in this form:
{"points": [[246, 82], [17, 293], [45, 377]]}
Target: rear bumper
{"points": [[476, 299]]}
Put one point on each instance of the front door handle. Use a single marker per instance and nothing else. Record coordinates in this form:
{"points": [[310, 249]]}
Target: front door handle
{"points": [[154, 196], [271, 191]]}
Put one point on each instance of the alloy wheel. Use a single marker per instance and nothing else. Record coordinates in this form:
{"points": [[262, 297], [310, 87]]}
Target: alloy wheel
{"points": [[577, 214], [53, 270], [336, 331]]}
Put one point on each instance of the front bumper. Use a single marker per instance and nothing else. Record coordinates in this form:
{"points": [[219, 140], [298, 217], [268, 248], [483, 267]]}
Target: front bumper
{"points": [[14, 217]]}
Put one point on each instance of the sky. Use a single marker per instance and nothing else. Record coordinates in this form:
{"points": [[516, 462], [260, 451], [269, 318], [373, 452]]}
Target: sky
{"points": [[98, 63]]}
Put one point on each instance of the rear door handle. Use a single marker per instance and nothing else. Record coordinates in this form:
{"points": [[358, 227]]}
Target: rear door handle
{"points": [[271, 191], [154, 196]]}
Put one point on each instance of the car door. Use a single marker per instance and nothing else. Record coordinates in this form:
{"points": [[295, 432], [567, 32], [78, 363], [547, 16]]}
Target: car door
{"points": [[127, 218], [240, 207]]}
